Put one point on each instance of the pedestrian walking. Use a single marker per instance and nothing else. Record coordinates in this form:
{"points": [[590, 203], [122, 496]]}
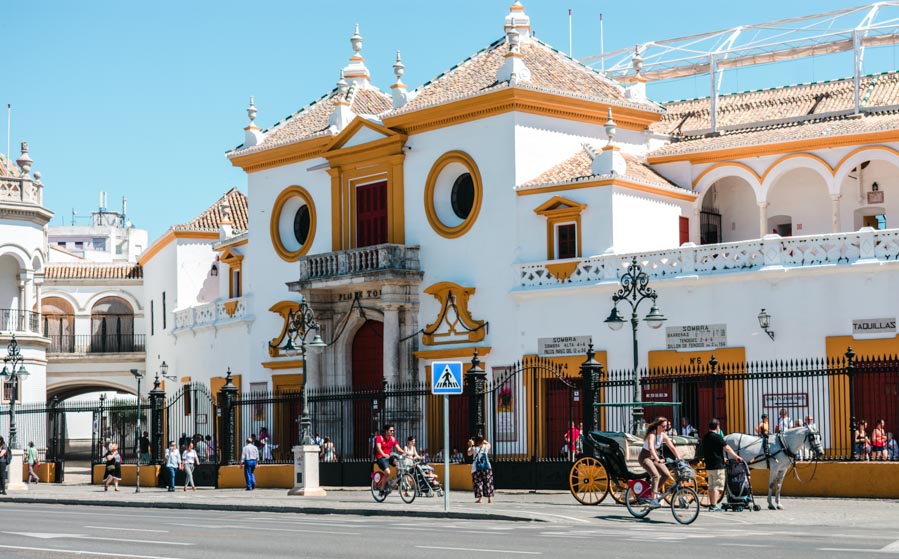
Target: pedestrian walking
{"points": [[202, 449], [113, 468], [145, 453], [328, 452], [189, 461], [4, 460], [172, 463], [249, 457], [210, 448], [714, 448], [481, 470], [33, 462]]}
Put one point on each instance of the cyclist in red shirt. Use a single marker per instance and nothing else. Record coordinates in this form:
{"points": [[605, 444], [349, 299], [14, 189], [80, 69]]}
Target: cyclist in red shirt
{"points": [[385, 443]]}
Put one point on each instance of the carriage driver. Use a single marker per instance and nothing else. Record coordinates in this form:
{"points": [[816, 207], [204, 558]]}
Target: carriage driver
{"points": [[714, 448], [763, 429], [651, 456]]}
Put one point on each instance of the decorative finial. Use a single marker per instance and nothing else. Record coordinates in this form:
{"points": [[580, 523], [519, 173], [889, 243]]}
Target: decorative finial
{"points": [[637, 60], [251, 111], [342, 84], [24, 161], [226, 211], [514, 38], [356, 40], [398, 67], [610, 127]]}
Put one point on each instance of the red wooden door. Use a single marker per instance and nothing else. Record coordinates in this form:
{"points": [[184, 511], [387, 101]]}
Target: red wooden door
{"points": [[684, 230], [368, 370], [371, 214]]}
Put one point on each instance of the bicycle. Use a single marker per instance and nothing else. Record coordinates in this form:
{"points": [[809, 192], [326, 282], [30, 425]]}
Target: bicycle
{"points": [[403, 481], [684, 501]]}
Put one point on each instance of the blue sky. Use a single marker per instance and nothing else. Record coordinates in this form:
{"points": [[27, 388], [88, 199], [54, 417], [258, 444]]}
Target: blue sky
{"points": [[143, 99]]}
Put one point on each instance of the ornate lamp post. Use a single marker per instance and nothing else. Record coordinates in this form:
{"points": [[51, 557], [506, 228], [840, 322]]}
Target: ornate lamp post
{"points": [[300, 324], [13, 370], [634, 289], [138, 375]]}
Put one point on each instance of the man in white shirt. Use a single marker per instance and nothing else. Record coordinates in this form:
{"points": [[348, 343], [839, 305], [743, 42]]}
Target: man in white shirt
{"points": [[783, 421], [249, 457]]}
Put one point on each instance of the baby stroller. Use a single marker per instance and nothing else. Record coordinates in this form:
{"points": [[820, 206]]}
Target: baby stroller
{"points": [[737, 489], [426, 481]]}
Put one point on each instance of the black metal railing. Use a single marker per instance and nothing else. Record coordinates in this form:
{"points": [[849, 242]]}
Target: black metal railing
{"points": [[87, 343], [16, 320]]}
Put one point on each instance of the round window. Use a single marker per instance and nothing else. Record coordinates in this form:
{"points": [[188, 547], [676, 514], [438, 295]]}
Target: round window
{"points": [[301, 224], [462, 195]]}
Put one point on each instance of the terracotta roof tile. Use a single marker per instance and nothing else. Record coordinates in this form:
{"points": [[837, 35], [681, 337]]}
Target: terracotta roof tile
{"points": [[93, 270], [211, 219], [551, 71], [312, 120], [796, 102], [578, 167], [785, 132]]}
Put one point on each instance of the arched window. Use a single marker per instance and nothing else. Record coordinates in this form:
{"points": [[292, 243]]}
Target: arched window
{"points": [[112, 326], [58, 324]]}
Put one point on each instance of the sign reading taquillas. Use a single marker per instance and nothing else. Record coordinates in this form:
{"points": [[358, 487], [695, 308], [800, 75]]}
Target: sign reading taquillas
{"points": [[874, 326]]}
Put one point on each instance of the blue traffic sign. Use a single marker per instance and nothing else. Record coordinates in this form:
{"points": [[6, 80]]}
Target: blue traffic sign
{"points": [[446, 377]]}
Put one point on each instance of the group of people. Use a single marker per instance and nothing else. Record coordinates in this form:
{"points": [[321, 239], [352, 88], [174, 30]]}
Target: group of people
{"points": [[879, 446], [763, 429], [185, 458]]}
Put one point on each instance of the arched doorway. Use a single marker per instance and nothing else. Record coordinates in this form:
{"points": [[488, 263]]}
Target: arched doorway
{"points": [[112, 326], [367, 374], [729, 212], [58, 324]]}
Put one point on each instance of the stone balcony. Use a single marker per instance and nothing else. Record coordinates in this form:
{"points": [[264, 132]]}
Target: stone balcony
{"points": [[771, 252], [359, 266], [217, 314]]}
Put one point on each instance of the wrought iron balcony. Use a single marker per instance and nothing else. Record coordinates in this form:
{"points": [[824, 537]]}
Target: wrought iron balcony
{"points": [[14, 320], [110, 343], [377, 262]]}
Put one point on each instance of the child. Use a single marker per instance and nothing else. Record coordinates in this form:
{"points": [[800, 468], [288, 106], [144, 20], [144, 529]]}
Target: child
{"points": [[892, 448]]}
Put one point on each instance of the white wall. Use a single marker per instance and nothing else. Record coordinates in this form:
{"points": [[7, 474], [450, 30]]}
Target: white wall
{"points": [[642, 223]]}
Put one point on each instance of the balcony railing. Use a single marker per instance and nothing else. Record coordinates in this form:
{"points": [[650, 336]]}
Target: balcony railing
{"points": [[214, 314], [14, 320], [359, 261], [865, 245], [21, 190], [87, 343]]}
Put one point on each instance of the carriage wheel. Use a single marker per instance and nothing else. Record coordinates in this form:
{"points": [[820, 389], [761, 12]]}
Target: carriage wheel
{"points": [[702, 487], [588, 481], [618, 488]]}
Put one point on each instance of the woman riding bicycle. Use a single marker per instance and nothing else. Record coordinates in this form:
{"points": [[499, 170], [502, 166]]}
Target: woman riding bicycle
{"points": [[651, 458]]}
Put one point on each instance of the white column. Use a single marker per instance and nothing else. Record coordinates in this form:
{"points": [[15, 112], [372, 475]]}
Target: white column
{"points": [[391, 338], [835, 213], [38, 284], [695, 231], [763, 219]]}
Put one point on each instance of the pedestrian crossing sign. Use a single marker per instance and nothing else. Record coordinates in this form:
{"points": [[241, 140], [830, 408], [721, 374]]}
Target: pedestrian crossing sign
{"points": [[446, 377]]}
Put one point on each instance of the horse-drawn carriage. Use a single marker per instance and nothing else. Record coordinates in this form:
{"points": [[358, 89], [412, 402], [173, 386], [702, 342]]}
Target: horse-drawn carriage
{"points": [[610, 460]]}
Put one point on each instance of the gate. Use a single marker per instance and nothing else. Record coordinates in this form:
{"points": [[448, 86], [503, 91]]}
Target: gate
{"points": [[190, 414]]}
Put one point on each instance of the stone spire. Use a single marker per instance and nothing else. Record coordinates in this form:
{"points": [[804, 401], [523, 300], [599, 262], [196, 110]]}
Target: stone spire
{"points": [[226, 226], [519, 21], [355, 71], [252, 135], [513, 70], [609, 161], [398, 89], [637, 89], [24, 161], [343, 113]]}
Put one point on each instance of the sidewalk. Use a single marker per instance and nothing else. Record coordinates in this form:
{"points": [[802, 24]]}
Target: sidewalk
{"points": [[509, 505]]}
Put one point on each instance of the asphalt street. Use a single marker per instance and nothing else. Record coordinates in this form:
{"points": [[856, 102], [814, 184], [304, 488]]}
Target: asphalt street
{"points": [[55, 531]]}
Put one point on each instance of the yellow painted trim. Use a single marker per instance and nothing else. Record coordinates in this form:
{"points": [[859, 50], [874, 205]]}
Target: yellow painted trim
{"points": [[455, 353], [283, 309], [744, 166], [353, 127], [282, 155], [170, 236], [442, 291], [811, 156], [558, 210], [687, 195], [226, 247], [861, 149], [274, 230], [519, 100], [563, 270], [279, 365], [230, 306], [827, 142], [431, 183]]}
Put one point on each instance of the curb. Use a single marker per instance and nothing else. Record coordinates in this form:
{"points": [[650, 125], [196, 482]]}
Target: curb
{"points": [[274, 508]]}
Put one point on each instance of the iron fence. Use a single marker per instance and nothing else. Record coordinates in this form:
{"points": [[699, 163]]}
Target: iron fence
{"points": [[96, 343]]}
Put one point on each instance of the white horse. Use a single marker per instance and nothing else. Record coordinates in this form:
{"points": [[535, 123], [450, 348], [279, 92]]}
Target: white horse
{"points": [[783, 449]]}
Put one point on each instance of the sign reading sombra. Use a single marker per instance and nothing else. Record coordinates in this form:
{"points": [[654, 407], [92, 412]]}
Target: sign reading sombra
{"points": [[696, 336], [563, 345], [874, 326]]}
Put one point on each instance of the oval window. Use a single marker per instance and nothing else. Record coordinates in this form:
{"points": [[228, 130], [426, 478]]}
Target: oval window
{"points": [[463, 195], [301, 224]]}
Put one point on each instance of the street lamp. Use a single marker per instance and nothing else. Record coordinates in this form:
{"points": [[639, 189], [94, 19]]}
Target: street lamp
{"points": [[634, 289], [138, 375], [299, 324], [13, 370]]}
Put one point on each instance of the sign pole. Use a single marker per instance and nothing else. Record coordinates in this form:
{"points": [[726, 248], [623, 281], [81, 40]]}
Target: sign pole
{"points": [[446, 456]]}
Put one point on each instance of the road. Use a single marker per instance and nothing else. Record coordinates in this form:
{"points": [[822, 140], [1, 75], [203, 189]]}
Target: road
{"points": [[57, 531]]}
